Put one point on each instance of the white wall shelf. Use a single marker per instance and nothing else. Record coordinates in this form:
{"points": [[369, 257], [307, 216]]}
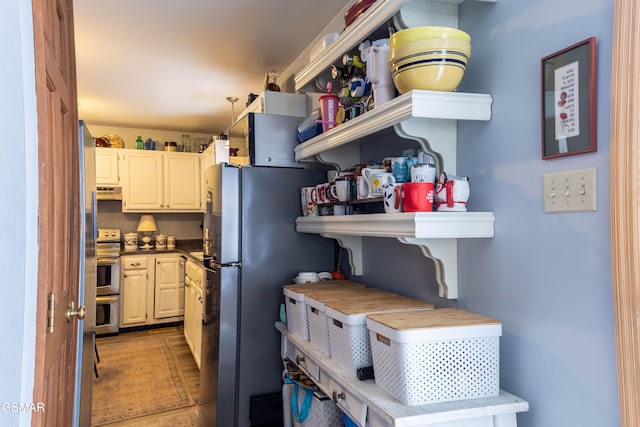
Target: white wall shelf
{"points": [[418, 12], [436, 234], [426, 116]]}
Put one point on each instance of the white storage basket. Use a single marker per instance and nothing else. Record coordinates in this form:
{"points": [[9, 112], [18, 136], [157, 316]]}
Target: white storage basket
{"points": [[297, 321], [348, 333], [317, 318], [438, 356]]}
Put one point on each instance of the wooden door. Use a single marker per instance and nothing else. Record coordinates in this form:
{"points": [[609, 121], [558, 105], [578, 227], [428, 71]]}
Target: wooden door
{"points": [[59, 209]]}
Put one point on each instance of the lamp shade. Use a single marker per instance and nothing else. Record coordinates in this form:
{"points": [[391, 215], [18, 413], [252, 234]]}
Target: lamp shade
{"points": [[147, 223]]}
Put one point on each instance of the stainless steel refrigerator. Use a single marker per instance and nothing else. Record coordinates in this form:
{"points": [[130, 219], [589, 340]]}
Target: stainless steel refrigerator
{"points": [[87, 288], [251, 249]]}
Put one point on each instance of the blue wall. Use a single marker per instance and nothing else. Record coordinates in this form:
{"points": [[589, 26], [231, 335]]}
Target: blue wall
{"points": [[547, 277]]}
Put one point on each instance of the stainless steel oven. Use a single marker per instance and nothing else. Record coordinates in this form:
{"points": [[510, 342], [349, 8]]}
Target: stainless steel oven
{"points": [[107, 281], [107, 313]]}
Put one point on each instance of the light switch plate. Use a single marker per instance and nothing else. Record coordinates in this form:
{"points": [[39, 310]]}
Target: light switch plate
{"points": [[570, 191]]}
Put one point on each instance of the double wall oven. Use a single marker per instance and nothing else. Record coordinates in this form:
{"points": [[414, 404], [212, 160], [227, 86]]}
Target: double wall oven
{"points": [[108, 281]]}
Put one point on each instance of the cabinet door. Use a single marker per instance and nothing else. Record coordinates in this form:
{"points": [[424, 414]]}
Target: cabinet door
{"points": [[133, 297], [142, 181], [107, 171], [168, 284], [197, 325], [182, 182], [189, 312]]}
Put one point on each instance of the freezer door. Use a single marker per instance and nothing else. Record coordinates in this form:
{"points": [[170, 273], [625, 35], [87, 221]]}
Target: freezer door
{"points": [[219, 364]]}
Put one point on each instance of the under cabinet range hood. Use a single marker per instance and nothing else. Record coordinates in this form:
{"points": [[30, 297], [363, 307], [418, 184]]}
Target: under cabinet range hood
{"points": [[109, 193]]}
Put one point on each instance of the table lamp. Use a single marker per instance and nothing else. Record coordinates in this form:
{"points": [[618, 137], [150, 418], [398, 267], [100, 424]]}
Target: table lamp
{"points": [[146, 228]]}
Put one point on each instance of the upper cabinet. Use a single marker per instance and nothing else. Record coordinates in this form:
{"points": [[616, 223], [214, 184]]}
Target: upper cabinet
{"points": [[426, 117], [107, 167], [160, 181]]}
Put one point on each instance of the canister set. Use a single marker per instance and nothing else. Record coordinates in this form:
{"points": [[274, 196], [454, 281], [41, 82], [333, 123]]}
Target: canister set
{"points": [[401, 183], [163, 242]]}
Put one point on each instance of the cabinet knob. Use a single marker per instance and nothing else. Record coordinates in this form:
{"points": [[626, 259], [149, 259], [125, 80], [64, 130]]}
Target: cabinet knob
{"points": [[337, 396], [299, 359]]}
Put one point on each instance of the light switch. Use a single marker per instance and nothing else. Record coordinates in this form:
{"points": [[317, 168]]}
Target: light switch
{"points": [[570, 191]]}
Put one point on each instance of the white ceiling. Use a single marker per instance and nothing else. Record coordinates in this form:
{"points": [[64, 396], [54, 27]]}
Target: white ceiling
{"points": [[170, 65]]}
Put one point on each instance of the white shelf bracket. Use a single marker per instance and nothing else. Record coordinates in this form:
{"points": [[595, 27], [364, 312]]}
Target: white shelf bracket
{"points": [[342, 157], [437, 137], [353, 245], [442, 252]]}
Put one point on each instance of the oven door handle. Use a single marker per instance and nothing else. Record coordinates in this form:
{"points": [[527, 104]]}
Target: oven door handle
{"points": [[107, 261], [106, 299]]}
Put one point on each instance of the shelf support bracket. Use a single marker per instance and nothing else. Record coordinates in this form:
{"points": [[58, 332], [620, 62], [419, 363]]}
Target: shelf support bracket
{"points": [[437, 137], [341, 157], [353, 245], [442, 252]]}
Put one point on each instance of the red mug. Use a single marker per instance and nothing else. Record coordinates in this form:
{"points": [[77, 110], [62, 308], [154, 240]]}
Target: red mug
{"points": [[417, 196]]}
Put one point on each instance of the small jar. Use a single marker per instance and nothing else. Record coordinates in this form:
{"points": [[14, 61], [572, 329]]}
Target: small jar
{"points": [[170, 146]]}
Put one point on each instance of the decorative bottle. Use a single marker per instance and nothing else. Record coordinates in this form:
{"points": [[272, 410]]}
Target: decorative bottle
{"points": [[186, 143], [139, 143]]}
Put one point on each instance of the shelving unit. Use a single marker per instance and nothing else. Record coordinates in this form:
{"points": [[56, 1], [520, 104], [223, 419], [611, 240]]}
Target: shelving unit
{"points": [[426, 117], [371, 406]]}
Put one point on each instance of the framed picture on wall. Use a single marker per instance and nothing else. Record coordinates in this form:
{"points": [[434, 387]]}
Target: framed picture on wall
{"points": [[568, 100]]}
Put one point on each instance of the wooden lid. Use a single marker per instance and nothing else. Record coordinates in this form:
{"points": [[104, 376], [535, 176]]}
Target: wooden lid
{"points": [[302, 288], [377, 303], [325, 295], [438, 318]]}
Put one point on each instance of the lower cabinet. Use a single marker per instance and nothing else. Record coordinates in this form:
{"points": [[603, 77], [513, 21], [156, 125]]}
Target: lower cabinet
{"points": [[151, 289], [193, 308]]}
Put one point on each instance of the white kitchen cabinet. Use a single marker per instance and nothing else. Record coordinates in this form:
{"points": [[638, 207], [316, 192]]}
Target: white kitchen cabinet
{"points": [[152, 289], [182, 182], [426, 117], [142, 188], [193, 303], [133, 291], [368, 405], [156, 181], [169, 287], [107, 167]]}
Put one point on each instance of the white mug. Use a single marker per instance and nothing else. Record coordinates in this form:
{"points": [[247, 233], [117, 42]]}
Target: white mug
{"points": [[340, 190], [392, 198], [452, 193], [423, 173], [375, 179]]}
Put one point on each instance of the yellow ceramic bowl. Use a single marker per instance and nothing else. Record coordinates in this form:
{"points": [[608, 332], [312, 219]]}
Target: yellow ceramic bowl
{"points": [[429, 32], [431, 46], [442, 75]]}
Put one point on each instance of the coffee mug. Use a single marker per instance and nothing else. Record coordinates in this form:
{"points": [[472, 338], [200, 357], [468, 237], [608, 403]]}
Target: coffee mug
{"points": [[309, 201], [399, 168], [340, 189], [452, 193], [374, 180], [321, 191], [422, 172], [392, 198], [417, 196]]}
